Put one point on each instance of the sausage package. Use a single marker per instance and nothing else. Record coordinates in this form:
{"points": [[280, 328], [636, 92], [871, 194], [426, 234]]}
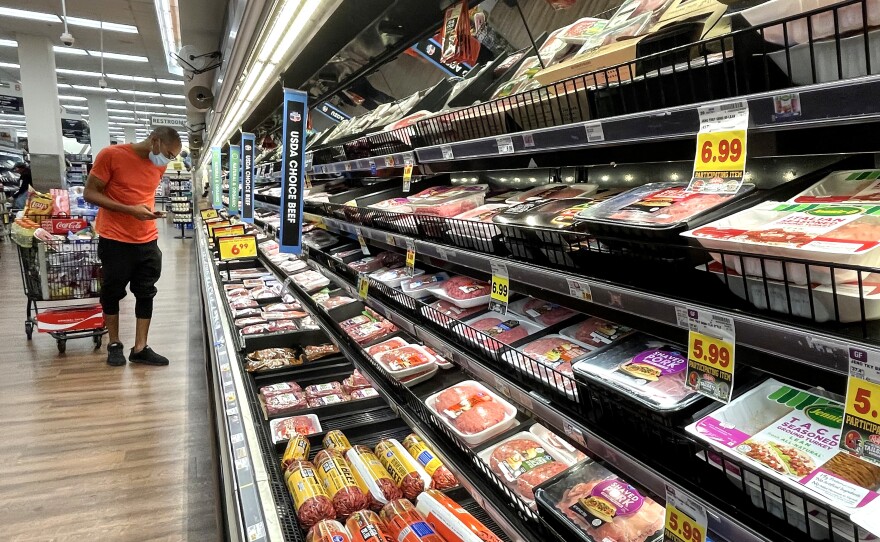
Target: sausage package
{"points": [[339, 483], [309, 498], [297, 449], [321, 390], [405, 524], [406, 472], [441, 477], [374, 477], [450, 520], [365, 526], [328, 530]]}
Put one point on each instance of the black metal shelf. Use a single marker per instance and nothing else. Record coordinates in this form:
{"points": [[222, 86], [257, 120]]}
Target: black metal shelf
{"points": [[387, 161]]}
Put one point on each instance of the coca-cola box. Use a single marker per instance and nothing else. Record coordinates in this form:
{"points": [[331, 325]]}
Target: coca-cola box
{"points": [[67, 319], [63, 226]]}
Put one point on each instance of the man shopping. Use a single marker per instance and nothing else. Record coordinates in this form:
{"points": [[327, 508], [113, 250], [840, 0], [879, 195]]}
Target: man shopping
{"points": [[123, 184]]}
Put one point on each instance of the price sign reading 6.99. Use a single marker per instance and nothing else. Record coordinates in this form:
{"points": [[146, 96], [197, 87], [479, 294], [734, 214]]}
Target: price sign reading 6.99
{"points": [[239, 247], [720, 162], [500, 288]]}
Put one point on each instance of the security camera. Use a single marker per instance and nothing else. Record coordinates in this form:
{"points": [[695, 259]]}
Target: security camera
{"points": [[67, 39], [102, 82]]}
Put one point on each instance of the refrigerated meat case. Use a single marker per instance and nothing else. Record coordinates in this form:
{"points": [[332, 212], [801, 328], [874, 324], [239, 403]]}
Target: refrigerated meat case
{"points": [[257, 504]]}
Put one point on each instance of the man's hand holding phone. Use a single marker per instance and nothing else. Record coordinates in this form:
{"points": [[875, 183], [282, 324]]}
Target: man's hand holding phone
{"points": [[142, 212]]}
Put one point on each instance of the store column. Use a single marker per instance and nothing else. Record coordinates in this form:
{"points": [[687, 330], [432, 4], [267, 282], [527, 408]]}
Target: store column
{"points": [[39, 86], [130, 134], [99, 129]]}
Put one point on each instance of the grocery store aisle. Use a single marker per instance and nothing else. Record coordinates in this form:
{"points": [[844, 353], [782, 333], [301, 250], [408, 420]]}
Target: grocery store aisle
{"points": [[91, 452]]}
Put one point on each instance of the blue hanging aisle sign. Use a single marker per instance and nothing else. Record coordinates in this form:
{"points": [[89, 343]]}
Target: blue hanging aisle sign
{"points": [[247, 177], [293, 170], [216, 179]]}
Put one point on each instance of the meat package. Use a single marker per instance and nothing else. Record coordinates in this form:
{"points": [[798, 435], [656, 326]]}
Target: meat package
{"points": [[477, 223], [550, 360], [557, 445], [365, 526], [328, 530], [646, 369], [441, 477], [472, 411], [393, 277], [331, 399], [406, 360], [793, 436], [406, 524], [310, 280], [493, 330], [541, 312], [446, 313], [553, 191], [278, 389], [320, 239], [320, 390], [313, 352], [378, 483], [654, 206], [418, 287], [283, 429], [447, 201], [522, 462], [452, 522], [309, 498], [596, 333], [378, 349], [406, 472], [271, 358], [285, 403], [463, 292], [819, 232], [860, 187], [356, 381], [339, 483], [601, 507], [374, 328], [336, 301]]}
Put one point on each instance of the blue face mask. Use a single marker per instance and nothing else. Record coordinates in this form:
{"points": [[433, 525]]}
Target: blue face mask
{"points": [[159, 159]]}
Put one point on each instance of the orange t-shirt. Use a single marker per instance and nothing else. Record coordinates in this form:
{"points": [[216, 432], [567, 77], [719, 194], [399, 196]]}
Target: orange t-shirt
{"points": [[130, 180]]}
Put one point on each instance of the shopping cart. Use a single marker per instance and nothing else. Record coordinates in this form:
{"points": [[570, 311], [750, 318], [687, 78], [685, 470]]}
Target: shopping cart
{"points": [[59, 271]]}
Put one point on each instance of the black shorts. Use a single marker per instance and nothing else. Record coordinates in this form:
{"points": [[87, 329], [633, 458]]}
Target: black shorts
{"points": [[136, 266]]}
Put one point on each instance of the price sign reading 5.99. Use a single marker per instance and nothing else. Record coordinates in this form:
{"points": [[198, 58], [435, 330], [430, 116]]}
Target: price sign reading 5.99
{"points": [[711, 354], [680, 527], [239, 247], [860, 434]]}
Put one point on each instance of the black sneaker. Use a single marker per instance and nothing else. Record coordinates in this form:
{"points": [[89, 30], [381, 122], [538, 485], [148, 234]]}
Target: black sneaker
{"points": [[115, 355], [147, 357]]}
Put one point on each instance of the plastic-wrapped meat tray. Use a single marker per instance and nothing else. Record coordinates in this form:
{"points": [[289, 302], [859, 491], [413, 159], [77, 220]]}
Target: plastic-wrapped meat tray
{"points": [[492, 331], [595, 505], [549, 359], [553, 191], [418, 287], [445, 313], [472, 411], [595, 333], [541, 312], [657, 211], [464, 292]]}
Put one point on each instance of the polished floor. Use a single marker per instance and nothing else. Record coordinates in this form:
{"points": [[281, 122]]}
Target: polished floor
{"points": [[90, 452]]}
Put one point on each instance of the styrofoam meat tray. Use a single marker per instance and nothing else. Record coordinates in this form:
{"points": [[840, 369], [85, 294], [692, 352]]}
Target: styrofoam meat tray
{"points": [[848, 304], [476, 438], [486, 339]]}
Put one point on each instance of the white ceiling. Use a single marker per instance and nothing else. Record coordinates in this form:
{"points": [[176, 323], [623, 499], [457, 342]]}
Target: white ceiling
{"points": [[146, 42]]}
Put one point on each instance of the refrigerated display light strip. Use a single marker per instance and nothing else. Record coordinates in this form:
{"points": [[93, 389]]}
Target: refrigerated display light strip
{"points": [[466, 478], [788, 341], [720, 522], [236, 436]]}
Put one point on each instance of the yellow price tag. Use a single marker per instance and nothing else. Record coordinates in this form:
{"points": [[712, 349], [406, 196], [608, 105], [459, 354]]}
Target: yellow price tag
{"points": [[721, 152], [410, 256], [715, 353], [680, 527], [208, 214], [863, 400], [214, 225], [363, 243], [237, 247], [407, 176], [226, 231], [363, 286]]}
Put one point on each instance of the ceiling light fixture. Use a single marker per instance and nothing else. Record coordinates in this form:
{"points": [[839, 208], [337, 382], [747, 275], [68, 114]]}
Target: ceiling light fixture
{"points": [[131, 78], [75, 21], [69, 50], [8, 43], [78, 72], [170, 81], [77, 107], [113, 27], [277, 47], [169, 26], [95, 89], [120, 56], [12, 65], [74, 98], [142, 93], [31, 15]]}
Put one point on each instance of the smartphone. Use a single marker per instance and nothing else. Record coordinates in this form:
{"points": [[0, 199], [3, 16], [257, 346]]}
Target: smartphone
{"points": [[160, 214]]}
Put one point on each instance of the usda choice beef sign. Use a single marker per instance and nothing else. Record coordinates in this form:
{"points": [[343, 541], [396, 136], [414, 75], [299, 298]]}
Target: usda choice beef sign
{"points": [[292, 171]]}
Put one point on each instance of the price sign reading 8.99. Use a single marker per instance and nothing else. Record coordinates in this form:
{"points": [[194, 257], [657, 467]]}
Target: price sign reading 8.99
{"points": [[239, 247], [860, 434]]}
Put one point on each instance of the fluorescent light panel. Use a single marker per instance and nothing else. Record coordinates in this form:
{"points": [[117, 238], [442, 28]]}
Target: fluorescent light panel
{"points": [[119, 56], [170, 81], [11, 65], [95, 89], [70, 50], [169, 27], [75, 98], [31, 15], [77, 107], [131, 78], [111, 27]]}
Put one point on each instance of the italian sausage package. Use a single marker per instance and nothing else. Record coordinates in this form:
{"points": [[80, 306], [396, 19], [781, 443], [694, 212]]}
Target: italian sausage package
{"points": [[297, 450], [309, 498], [441, 477], [405, 524], [406, 472], [365, 526], [321, 390], [339, 483], [450, 520], [375, 478], [328, 530]]}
